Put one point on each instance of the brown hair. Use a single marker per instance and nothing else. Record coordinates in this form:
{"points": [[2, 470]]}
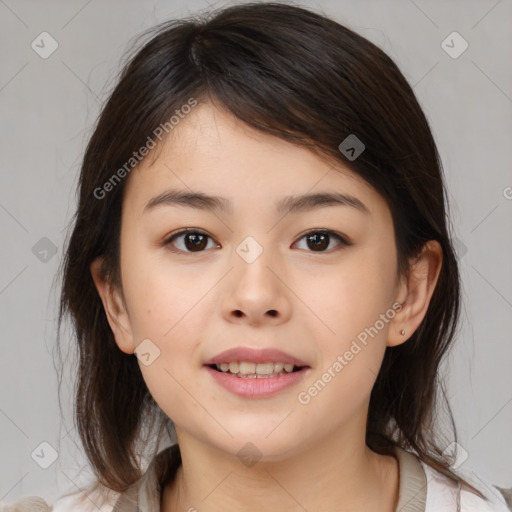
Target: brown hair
{"points": [[305, 78]]}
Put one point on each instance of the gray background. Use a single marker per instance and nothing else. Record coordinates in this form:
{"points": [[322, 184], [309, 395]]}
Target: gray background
{"points": [[48, 107]]}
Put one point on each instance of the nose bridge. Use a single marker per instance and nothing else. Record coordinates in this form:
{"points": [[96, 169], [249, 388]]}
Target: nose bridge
{"points": [[255, 293], [252, 275]]}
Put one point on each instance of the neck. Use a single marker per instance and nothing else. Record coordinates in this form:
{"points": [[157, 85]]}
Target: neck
{"points": [[338, 475]]}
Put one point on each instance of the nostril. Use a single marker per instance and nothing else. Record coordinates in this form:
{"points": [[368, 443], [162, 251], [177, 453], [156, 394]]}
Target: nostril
{"points": [[238, 313], [272, 312]]}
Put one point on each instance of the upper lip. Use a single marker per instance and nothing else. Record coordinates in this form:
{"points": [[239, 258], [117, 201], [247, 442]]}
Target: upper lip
{"points": [[255, 355]]}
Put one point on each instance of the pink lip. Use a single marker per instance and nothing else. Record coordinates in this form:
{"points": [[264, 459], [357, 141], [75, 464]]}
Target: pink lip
{"points": [[251, 355], [257, 388]]}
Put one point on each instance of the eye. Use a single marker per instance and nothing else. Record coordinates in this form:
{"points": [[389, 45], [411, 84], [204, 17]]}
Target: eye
{"points": [[319, 240], [194, 240]]}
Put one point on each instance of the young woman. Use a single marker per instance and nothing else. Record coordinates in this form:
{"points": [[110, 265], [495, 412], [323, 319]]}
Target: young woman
{"points": [[261, 279]]}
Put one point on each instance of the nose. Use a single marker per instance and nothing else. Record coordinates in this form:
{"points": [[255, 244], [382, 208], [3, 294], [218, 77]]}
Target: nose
{"points": [[256, 293]]}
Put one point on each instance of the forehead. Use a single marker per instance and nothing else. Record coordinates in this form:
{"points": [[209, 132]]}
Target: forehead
{"points": [[213, 152]]}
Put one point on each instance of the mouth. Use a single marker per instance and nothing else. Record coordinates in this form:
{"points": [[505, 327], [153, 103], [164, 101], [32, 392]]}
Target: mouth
{"points": [[249, 370], [256, 372], [250, 384]]}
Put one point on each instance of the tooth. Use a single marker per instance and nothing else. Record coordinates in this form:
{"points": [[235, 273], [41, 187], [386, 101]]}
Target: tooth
{"points": [[263, 376], [264, 368], [246, 368], [252, 370]]}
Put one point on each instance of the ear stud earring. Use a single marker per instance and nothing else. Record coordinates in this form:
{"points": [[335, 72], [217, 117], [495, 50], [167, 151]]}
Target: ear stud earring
{"points": [[402, 332]]}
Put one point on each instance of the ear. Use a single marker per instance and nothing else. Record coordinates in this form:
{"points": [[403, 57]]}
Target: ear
{"points": [[115, 308], [414, 293]]}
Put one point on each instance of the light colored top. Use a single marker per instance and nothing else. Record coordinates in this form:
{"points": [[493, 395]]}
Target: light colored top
{"points": [[421, 489]]}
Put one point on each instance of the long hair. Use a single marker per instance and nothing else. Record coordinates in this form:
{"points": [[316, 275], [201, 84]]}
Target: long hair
{"points": [[300, 76]]}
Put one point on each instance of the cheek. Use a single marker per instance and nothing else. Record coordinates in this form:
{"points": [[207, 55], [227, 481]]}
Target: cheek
{"points": [[351, 339], [160, 295], [350, 296], [166, 309], [353, 304], [170, 317]]}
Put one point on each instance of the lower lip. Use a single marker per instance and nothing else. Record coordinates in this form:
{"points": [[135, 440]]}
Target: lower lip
{"points": [[256, 388]]}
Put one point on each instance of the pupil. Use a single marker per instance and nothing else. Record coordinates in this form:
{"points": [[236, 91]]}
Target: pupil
{"points": [[321, 241], [198, 241]]}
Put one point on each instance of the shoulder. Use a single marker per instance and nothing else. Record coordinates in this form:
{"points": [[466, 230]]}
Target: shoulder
{"points": [[97, 498], [94, 501], [90, 502], [26, 504], [444, 495]]}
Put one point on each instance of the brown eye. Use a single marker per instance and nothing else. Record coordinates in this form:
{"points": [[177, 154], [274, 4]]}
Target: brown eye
{"points": [[190, 241], [319, 241]]}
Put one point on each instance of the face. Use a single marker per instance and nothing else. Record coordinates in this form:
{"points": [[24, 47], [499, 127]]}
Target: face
{"points": [[316, 280]]}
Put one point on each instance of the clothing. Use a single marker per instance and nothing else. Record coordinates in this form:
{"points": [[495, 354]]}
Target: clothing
{"points": [[421, 489]]}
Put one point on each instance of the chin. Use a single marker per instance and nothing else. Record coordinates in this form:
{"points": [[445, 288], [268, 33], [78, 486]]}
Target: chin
{"points": [[255, 446]]}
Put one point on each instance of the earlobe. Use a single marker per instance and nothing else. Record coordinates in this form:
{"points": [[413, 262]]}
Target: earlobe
{"points": [[115, 309], [414, 293]]}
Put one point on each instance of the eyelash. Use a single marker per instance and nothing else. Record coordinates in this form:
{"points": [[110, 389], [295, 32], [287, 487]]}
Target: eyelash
{"points": [[343, 242]]}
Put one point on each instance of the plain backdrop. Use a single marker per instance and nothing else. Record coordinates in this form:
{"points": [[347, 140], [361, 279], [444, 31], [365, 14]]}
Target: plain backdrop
{"points": [[48, 108]]}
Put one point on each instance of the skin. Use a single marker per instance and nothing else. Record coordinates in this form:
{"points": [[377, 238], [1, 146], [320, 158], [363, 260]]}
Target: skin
{"points": [[186, 304]]}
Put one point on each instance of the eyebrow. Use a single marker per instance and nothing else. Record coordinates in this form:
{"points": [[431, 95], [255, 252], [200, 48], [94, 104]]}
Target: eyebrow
{"points": [[288, 204]]}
